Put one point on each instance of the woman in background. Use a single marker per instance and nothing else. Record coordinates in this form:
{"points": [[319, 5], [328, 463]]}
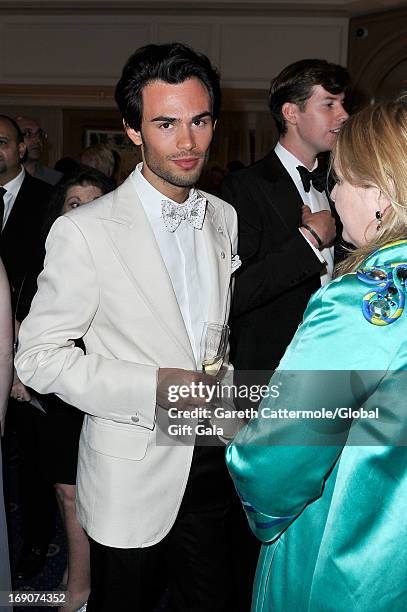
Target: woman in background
{"points": [[328, 497], [62, 425], [6, 373]]}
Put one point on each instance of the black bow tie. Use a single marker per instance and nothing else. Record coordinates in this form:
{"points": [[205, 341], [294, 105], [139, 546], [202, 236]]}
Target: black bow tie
{"points": [[317, 177]]}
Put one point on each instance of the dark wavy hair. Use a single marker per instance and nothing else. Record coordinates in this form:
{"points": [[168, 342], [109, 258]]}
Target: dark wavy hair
{"points": [[172, 63], [296, 81], [83, 176]]}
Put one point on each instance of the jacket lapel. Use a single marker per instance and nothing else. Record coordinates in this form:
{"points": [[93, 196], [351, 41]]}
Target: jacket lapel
{"points": [[286, 199], [134, 243], [16, 216], [219, 253]]}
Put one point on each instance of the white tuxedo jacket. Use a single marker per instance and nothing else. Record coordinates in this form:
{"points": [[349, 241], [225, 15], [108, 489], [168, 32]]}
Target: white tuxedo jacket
{"points": [[104, 280]]}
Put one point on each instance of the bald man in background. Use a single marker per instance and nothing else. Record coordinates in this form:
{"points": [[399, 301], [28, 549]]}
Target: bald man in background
{"points": [[34, 140]]}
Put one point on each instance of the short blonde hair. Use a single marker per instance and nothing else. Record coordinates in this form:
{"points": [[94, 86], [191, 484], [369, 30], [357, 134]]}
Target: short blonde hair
{"points": [[371, 151], [100, 157]]}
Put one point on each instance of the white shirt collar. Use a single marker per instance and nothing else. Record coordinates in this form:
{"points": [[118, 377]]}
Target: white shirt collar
{"points": [[13, 186], [290, 162]]}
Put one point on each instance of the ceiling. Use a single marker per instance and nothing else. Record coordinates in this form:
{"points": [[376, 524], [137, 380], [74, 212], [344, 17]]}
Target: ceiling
{"points": [[346, 8]]}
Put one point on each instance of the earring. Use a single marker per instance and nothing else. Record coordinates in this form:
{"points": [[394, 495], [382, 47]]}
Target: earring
{"points": [[379, 219]]}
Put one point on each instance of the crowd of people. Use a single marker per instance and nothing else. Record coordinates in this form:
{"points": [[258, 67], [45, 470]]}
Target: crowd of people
{"points": [[105, 292]]}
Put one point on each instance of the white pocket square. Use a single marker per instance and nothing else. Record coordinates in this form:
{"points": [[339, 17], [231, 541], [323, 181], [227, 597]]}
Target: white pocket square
{"points": [[236, 262]]}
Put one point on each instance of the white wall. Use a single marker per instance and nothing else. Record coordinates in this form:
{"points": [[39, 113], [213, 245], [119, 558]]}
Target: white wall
{"points": [[61, 60], [91, 49]]}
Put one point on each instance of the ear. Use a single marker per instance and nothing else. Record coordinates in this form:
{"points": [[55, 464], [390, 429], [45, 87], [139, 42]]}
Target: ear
{"points": [[289, 110], [383, 202], [135, 136], [21, 150]]}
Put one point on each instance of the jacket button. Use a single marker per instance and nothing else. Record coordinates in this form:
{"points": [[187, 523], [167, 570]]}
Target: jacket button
{"points": [[220, 230], [222, 255], [135, 418]]}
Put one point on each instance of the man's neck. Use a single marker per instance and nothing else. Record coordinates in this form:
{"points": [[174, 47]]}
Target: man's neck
{"points": [[299, 150], [175, 193], [31, 166], [6, 178]]}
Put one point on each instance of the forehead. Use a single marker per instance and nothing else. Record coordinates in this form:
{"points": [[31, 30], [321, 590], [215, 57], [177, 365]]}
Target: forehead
{"points": [[172, 100], [319, 93], [25, 122], [7, 129], [82, 190]]}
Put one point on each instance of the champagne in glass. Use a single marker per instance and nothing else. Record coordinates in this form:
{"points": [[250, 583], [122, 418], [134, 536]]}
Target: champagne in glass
{"points": [[213, 347]]}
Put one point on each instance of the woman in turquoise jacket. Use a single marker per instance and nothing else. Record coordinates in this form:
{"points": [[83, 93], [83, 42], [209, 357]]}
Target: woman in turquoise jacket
{"points": [[328, 496]]}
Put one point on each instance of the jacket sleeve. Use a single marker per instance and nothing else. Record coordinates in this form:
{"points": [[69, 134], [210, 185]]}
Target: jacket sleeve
{"points": [[286, 265], [280, 460], [62, 311]]}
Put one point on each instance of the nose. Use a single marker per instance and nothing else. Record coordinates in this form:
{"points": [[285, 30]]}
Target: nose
{"points": [[186, 138], [342, 114]]}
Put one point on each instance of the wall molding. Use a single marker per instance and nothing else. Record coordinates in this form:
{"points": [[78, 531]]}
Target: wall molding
{"points": [[336, 8], [89, 96], [91, 50], [375, 54]]}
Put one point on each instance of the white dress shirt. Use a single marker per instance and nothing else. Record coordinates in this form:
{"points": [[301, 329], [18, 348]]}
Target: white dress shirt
{"points": [[185, 257], [314, 199], [12, 188]]}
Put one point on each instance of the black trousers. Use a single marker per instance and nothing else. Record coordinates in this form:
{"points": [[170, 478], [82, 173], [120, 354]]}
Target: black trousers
{"points": [[195, 560], [23, 437]]}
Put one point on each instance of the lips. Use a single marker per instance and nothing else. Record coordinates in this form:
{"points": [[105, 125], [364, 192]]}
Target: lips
{"points": [[187, 163]]}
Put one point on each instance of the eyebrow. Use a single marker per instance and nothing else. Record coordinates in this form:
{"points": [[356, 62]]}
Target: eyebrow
{"points": [[335, 97], [174, 119]]}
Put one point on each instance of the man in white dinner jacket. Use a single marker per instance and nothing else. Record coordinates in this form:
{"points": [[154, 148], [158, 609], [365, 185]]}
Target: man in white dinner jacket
{"points": [[136, 274]]}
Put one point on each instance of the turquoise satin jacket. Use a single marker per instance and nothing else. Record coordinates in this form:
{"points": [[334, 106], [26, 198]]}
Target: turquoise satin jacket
{"points": [[328, 497]]}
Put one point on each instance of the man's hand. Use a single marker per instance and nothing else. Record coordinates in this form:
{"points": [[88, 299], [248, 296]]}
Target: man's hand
{"points": [[19, 391], [175, 377], [322, 223]]}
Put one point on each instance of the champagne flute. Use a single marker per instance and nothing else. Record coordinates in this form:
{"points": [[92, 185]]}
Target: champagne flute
{"points": [[213, 347]]}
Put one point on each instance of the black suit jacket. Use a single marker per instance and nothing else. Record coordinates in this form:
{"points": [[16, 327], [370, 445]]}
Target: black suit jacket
{"points": [[21, 239], [279, 269]]}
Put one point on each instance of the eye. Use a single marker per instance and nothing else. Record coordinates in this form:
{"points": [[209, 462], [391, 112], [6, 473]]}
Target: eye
{"points": [[165, 125], [75, 204]]}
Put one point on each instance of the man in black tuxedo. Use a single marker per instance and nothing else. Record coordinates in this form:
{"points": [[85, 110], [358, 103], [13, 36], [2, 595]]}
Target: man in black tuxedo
{"points": [[23, 205], [286, 229]]}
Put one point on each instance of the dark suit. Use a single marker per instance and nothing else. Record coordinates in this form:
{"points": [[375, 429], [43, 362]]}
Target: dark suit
{"points": [[21, 236], [279, 272], [21, 242]]}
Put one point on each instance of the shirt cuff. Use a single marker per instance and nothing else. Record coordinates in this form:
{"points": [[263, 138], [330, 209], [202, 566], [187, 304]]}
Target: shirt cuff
{"points": [[317, 253]]}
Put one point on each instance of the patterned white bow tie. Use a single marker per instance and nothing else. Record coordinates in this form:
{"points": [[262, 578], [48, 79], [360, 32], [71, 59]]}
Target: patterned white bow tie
{"points": [[193, 211]]}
